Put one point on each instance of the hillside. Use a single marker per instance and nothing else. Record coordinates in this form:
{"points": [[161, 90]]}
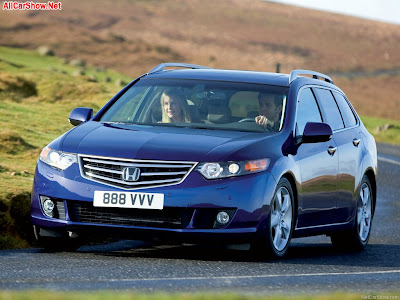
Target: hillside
{"points": [[37, 93], [132, 36]]}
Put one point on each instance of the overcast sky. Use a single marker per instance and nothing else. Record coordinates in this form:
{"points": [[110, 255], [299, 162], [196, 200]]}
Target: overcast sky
{"points": [[381, 10]]}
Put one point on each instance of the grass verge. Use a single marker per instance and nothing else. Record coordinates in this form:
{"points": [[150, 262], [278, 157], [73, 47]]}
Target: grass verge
{"points": [[384, 131]]}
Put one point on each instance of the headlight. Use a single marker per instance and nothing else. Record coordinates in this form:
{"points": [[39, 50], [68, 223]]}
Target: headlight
{"points": [[216, 170], [57, 159]]}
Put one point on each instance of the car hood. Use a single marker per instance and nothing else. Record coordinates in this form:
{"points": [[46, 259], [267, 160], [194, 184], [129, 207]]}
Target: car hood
{"points": [[160, 142]]}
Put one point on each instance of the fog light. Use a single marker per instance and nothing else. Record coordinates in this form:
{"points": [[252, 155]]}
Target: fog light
{"points": [[48, 206], [222, 217]]}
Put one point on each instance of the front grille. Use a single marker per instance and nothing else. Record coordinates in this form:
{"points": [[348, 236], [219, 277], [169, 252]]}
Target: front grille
{"points": [[169, 217], [110, 171]]}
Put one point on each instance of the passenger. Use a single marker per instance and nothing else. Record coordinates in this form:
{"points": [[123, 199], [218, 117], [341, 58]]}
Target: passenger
{"points": [[270, 110], [174, 107]]}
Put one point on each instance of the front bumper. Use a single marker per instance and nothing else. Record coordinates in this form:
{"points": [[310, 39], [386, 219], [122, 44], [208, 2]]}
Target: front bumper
{"points": [[194, 203]]}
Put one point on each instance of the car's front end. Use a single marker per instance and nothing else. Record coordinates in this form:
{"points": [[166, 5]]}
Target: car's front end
{"points": [[74, 194]]}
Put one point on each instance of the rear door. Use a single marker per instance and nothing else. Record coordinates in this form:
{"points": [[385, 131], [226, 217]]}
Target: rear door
{"points": [[350, 144]]}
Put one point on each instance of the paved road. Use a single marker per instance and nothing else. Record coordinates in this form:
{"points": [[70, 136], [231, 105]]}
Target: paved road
{"points": [[312, 265]]}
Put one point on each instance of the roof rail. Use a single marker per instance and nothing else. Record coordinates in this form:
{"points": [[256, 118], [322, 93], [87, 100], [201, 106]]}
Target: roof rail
{"points": [[161, 67], [296, 73]]}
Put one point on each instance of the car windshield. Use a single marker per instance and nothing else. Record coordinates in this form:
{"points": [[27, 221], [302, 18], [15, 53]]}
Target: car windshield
{"points": [[201, 104]]}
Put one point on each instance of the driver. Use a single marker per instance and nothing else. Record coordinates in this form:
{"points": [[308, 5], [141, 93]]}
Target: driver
{"points": [[270, 110]]}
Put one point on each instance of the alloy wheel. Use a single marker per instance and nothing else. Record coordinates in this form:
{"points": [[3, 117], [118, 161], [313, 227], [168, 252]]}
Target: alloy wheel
{"points": [[281, 218], [364, 212]]}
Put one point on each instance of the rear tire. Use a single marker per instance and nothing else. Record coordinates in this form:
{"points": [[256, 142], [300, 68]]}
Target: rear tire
{"points": [[356, 239], [280, 224]]}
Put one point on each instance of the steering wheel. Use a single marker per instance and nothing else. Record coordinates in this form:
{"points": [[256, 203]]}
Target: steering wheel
{"points": [[246, 120], [253, 120]]}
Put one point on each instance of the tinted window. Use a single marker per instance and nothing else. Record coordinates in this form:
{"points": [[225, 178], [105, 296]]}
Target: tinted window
{"points": [[329, 108], [198, 104], [307, 110], [347, 114], [238, 109]]}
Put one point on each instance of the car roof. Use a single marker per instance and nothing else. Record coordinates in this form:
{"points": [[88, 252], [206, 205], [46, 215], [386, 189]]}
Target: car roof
{"points": [[224, 75]]}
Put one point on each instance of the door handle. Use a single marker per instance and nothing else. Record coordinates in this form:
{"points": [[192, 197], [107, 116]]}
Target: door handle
{"points": [[356, 142], [332, 150]]}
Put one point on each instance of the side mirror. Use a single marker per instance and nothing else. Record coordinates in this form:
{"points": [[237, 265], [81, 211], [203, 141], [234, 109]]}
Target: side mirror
{"points": [[80, 115], [316, 133]]}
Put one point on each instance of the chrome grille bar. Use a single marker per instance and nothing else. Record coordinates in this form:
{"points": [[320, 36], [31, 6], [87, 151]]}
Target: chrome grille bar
{"points": [[136, 164], [163, 173], [103, 169], [143, 174], [109, 171], [133, 183]]}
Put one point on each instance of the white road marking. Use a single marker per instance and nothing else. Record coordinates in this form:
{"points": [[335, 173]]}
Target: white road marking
{"points": [[55, 280], [257, 276], [389, 160]]}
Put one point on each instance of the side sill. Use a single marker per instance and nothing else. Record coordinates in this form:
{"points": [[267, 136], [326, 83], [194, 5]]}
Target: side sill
{"points": [[322, 229]]}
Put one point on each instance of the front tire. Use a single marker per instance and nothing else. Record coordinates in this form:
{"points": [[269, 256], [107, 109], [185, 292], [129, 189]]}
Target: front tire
{"points": [[280, 224], [357, 238]]}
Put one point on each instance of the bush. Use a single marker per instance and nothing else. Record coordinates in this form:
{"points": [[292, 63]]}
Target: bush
{"points": [[20, 213], [17, 87], [15, 224]]}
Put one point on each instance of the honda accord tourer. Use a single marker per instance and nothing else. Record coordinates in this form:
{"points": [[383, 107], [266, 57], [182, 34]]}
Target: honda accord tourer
{"points": [[191, 154]]}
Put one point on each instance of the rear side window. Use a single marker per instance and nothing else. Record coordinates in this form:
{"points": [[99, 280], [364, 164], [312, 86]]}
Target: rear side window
{"points": [[347, 114], [329, 108], [307, 110]]}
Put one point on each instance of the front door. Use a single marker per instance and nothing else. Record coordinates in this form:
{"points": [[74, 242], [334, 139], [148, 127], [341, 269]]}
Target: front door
{"points": [[318, 163]]}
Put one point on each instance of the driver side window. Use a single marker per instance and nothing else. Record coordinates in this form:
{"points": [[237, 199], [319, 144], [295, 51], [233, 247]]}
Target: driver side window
{"points": [[307, 110]]}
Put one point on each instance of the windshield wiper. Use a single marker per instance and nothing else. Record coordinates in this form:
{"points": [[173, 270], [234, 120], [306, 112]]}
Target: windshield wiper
{"points": [[159, 124], [199, 127], [110, 122], [136, 123]]}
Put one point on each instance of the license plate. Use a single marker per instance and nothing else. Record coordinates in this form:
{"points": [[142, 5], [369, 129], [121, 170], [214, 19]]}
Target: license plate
{"points": [[128, 200]]}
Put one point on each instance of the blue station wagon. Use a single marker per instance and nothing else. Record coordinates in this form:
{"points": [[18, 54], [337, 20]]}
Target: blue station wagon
{"points": [[191, 154]]}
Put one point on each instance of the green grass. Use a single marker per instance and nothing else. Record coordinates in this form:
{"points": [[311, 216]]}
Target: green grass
{"points": [[28, 61], [37, 93], [391, 135], [184, 296]]}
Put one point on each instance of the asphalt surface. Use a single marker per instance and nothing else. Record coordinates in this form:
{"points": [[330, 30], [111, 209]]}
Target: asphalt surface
{"points": [[312, 265]]}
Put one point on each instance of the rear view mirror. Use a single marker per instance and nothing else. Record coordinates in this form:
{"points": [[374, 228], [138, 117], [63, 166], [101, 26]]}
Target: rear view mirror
{"points": [[316, 133], [80, 115]]}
